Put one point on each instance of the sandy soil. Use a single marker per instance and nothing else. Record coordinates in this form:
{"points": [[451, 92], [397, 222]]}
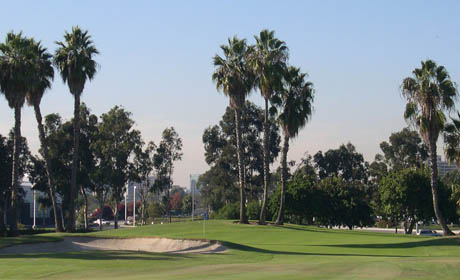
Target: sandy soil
{"points": [[158, 245]]}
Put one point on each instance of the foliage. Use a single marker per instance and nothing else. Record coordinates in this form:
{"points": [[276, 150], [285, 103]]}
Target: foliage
{"points": [[168, 151], [404, 149], [155, 210], [406, 195], [430, 93], [220, 153], [253, 210], [115, 144], [231, 211], [176, 201], [345, 203], [344, 161]]}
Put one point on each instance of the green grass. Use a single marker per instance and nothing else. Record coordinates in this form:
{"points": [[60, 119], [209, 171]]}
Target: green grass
{"points": [[257, 252]]}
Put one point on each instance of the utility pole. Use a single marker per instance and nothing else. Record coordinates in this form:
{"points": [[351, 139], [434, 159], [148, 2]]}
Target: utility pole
{"points": [[193, 197]]}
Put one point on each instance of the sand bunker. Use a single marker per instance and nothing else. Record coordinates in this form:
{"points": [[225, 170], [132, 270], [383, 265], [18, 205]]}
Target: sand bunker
{"points": [[158, 245]]}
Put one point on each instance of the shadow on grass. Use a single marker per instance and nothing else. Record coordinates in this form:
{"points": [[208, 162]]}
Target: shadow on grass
{"points": [[101, 255], [274, 252], [450, 241], [26, 239]]}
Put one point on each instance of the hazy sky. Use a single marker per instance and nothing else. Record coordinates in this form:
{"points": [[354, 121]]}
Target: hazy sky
{"points": [[156, 61]]}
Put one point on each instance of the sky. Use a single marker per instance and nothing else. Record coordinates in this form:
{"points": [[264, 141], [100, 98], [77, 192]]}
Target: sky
{"points": [[156, 61]]}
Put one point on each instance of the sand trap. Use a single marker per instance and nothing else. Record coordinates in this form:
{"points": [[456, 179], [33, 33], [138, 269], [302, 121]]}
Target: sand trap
{"points": [[158, 245]]}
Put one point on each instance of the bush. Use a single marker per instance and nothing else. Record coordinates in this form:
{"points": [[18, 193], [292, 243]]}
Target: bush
{"points": [[155, 210], [229, 212], [253, 210]]}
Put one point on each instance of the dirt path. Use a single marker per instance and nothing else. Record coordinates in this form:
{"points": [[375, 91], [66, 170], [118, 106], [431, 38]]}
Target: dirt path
{"points": [[158, 245]]}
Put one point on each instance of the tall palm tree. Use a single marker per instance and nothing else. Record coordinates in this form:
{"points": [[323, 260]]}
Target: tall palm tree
{"points": [[295, 104], [429, 94], [268, 59], [16, 61], [42, 76], [74, 60], [234, 77]]}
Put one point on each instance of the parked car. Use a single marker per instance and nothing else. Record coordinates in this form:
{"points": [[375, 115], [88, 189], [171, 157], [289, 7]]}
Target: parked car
{"points": [[428, 232], [103, 222]]}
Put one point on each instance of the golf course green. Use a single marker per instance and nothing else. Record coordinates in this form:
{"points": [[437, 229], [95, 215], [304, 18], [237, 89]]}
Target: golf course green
{"points": [[255, 252]]}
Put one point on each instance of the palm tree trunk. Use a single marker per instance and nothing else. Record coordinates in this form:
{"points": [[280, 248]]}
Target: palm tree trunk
{"points": [[2, 221], [239, 152], [266, 164], [73, 182], [280, 218], [15, 171], [85, 207], [51, 185], [434, 188], [101, 209], [115, 216]]}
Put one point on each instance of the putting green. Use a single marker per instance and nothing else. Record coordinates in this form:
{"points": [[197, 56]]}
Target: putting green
{"points": [[257, 252]]}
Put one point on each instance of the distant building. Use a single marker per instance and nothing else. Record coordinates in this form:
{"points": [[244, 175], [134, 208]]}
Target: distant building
{"points": [[444, 167], [193, 183], [139, 187]]}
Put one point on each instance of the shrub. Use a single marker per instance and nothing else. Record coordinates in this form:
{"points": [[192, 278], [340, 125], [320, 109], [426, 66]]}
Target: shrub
{"points": [[229, 211], [253, 210]]}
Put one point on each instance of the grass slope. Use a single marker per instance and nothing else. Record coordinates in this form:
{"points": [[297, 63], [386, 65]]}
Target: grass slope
{"points": [[257, 252]]}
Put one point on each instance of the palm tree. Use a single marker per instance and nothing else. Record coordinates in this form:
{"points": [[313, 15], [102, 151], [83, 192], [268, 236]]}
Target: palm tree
{"points": [[74, 60], [295, 104], [42, 77], [452, 141], [429, 94], [16, 61], [234, 78], [268, 59]]}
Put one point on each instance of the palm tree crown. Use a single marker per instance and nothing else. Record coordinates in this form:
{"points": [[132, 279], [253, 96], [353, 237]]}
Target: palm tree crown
{"points": [[268, 59], [43, 74], [429, 93], [232, 74], [295, 102], [16, 68], [74, 59], [452, 141]]}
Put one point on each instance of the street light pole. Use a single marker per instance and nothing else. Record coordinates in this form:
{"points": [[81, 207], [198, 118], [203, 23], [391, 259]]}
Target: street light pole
{"points": [[134, 208], [126, 205], [33, 194], [193, 201]]}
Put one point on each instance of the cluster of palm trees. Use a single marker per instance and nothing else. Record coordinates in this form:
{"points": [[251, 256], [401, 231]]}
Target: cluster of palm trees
{"points": [[264, 67], [26, 72], [430, 94]]}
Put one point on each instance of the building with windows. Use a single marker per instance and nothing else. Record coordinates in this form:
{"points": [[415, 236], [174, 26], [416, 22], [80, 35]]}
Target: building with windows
{"points": [[444, 167]]}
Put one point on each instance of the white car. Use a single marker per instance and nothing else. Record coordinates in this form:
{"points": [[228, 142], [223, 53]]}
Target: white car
{"points": [[428, 232], [104, 222]]}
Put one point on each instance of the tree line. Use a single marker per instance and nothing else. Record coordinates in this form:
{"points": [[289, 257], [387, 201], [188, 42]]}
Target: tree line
{"points": [[85, 153], [233, 148]]}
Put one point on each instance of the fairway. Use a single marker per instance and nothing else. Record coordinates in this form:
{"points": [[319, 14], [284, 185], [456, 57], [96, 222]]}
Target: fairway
{"points": [[256, 252]]}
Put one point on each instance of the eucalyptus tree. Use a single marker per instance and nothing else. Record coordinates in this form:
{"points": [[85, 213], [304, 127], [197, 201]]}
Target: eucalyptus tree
{"points": [[168, 151], [267, 59], [235, 79], [74, 60], [114, 146], [295, 105], [43, 76], [16, 69], [430, 93], [142, 168]]}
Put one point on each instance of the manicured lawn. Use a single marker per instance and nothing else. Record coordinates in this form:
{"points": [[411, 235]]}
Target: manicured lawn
{"points": [[257, 252]]}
